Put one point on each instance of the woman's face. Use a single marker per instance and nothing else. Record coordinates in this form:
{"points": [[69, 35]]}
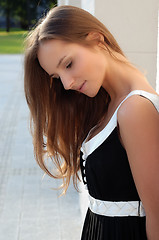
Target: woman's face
{"points": [[79, 68]]}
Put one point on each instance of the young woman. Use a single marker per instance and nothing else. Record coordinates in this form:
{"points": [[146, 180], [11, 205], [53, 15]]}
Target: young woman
{"points": [[94, 111]]}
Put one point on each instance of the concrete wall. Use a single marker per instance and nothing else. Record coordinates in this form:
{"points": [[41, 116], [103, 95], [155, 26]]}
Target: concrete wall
{"points": [[88, 5], [61, 2], [134, 26], [76, 3]]}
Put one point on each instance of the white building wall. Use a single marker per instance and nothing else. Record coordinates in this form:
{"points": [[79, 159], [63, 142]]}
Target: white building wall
{"points": [[134, 25], [61, 2], [88, 5], [76, 3]]}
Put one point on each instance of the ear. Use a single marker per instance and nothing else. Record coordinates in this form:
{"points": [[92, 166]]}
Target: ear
{"points": [[95, 36]]}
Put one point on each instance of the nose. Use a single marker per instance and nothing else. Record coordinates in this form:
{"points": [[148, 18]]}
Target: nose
{"points": [[67, 82]]}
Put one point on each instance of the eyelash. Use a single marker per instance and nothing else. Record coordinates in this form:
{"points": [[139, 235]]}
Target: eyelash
{"points": [[69, 65]]}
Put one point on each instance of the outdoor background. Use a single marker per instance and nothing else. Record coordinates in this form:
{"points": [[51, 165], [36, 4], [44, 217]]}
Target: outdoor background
{"points": [[30, 209], [16, 18]]}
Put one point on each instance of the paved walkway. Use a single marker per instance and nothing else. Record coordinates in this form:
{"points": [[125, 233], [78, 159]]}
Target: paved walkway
{"points": [[29, 208]]}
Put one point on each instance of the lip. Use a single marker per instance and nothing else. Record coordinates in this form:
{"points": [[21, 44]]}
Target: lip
{"points": [[81, 87]]}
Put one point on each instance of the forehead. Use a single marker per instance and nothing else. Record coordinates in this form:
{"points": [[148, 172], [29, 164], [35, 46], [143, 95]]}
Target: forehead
{"points": [[53, 46], [50, 52]]}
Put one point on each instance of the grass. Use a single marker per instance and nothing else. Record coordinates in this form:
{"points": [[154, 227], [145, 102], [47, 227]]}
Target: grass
{"points": [[12, 42]]}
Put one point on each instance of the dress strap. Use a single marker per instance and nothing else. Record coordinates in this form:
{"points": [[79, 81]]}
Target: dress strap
{"points": [[154, 98]]}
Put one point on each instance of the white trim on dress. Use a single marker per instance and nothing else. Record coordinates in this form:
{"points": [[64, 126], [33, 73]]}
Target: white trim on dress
{"points": [[116, 209]]}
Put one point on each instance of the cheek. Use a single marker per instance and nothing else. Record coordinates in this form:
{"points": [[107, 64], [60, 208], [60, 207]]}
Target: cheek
{"points": [[79, 69], [85, 61], [85, 67]]}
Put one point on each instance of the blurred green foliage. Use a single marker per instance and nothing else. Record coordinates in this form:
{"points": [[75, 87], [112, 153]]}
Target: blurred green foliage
{"points": [[26, 12]]}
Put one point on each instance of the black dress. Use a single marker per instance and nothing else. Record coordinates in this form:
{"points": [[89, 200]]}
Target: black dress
{"points": [[107, 175]]}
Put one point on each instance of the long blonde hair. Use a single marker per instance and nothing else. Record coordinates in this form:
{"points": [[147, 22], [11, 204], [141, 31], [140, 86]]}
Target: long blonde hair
{"points": [[60, 119]]}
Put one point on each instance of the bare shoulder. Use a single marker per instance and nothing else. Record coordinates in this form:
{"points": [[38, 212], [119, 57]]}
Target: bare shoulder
{"points": [[135, 109], [138, 121]]}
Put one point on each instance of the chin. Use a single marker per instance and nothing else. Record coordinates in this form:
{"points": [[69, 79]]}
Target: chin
{"points": [[91, 94], [95, 92]]}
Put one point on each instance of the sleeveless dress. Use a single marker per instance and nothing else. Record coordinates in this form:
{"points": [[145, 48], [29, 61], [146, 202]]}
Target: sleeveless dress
{"points": [[115, 211]]}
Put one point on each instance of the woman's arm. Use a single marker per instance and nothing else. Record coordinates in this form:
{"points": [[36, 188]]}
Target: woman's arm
{"points": [[139, 130]]}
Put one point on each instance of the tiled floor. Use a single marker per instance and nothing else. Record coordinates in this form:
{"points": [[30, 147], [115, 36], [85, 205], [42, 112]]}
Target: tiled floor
{"points": [[29, 208]]}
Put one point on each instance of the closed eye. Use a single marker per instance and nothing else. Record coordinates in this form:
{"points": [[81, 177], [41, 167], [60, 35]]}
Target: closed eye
{"points": [[69, 65]]}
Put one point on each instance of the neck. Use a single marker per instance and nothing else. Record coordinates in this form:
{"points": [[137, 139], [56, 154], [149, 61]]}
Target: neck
{"points": [[121, 78]]}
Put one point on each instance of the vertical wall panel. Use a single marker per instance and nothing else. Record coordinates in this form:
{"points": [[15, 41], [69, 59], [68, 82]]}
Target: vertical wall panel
{"points": [[134, 25]]}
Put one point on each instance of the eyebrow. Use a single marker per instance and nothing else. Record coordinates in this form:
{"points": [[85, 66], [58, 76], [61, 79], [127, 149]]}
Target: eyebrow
{"points": [[58, 64]]}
